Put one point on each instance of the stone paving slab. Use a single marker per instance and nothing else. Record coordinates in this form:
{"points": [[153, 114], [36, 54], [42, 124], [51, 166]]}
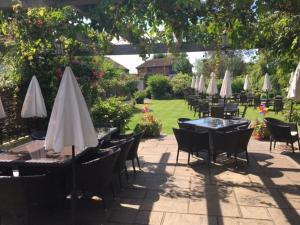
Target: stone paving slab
{"points": [[265, 192]]}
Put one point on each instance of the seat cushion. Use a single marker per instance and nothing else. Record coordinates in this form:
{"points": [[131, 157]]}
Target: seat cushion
{"points": [[294, 133]]}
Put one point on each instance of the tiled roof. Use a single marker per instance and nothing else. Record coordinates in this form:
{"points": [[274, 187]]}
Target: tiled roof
{"points": [[157, 63]]}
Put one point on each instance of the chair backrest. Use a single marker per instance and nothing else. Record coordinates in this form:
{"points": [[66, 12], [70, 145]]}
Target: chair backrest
{"points": [[234, 141], [186, 126], [125, 148], [135, 145], [278, 130], [19, 193], [96, 175], [217, 111], [191, 141], [278, 105], [243, 98], [257, 101], [183, 119]]}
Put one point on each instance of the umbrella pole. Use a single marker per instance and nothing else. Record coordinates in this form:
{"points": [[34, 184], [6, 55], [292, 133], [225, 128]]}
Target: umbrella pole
{"points": [[73, 195], [291, 110]]}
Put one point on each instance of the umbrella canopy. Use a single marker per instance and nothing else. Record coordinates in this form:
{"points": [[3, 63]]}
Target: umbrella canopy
{"points": [[193, 82], [294, 89], [226, 85], [70, 122], [247, 85], [212, 88], [34, 105], [196, 83], [267, 84], [2, 112], [201, 85]]}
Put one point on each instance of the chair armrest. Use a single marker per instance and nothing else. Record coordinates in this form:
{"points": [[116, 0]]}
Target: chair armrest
{"points": [[293, 126]]}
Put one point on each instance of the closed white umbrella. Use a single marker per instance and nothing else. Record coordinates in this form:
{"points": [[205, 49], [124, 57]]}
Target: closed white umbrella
{"points": [[294, 89], [247, 85], [267, 84], [34, 105], [70, 123], [226, 85], [196, 83], [201, 85], [2, 112], [212, 88], [193, 82]]}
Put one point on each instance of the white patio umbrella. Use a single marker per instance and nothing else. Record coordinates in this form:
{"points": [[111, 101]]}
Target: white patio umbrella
{"points": [[212, 88], [196, 83], [2, 112], [70, 124], [226, 86], [193, 82], [267, 84], [201, 84], [247, 84], [294, 89], [34, 105]]}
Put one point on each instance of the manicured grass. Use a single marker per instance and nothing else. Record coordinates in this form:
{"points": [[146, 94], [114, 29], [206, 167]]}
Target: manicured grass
{"points": [[168, 111]]}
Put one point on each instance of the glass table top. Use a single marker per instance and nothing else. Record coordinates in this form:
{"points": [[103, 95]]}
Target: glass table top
{"points": [[216, 123]]}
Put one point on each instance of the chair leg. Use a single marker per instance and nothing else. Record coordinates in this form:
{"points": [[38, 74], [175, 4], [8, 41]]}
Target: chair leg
{"points": [[270, 145], [247, 157], [298, 144], [189, 155], [138, 162], [133, 166], [126, 173], [113, 191], [177, 155], [274, 144], [120, 180], [236, 164], [293, 146]]}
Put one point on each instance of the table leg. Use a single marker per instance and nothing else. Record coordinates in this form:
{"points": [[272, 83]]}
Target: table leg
{"points": [[211, 145]]}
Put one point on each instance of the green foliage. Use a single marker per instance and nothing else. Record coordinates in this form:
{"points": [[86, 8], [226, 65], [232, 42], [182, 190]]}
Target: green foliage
{"points": [[159, 86], [150, 125], [182, 64], [295, 116], [139, 96], [180, 82], [237, 84], [111, 111]]}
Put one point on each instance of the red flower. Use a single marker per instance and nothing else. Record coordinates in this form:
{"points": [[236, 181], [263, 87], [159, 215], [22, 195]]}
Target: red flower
{"points": [[39, 23]]}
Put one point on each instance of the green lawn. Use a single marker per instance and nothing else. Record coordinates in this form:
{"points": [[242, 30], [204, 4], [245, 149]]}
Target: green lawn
{"points": [[167, 111]]}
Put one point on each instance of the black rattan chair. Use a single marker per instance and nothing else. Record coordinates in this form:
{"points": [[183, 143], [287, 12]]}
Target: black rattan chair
{"points": [[282, 132], [191, 142], [132, 155], [232, 142], [23, 195], [95, 176], [38, 135], [217, 111]]}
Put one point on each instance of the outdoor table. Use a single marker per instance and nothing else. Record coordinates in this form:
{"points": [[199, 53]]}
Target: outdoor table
{"points": [[33, 154], [212, 125]]}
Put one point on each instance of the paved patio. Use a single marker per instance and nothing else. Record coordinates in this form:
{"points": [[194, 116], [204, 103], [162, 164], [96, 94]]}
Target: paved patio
{"points": [[163, 193]]}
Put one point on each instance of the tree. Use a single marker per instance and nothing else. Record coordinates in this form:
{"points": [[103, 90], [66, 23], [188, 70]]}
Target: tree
{"points": [[182, 64]]}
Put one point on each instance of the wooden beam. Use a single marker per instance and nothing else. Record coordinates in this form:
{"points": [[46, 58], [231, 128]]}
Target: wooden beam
{"points": [[6, 4], [129, 49]]}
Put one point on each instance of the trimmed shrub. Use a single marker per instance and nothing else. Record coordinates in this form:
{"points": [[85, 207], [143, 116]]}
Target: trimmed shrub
{"points": [[159, 86], [237, 85], [113, 111], [180, 82], [139, 96]]}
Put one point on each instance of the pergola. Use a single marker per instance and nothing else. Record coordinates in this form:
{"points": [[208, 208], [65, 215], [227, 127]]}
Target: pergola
{"points": [[120, 49]]}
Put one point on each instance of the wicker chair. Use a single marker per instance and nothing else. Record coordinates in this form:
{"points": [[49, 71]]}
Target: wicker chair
{"points": [[282, 132], [217, 111], [278, 105], [232, 142], [95, 176], [134, 149], [191, 142], [23, 195], [38, 135]]}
